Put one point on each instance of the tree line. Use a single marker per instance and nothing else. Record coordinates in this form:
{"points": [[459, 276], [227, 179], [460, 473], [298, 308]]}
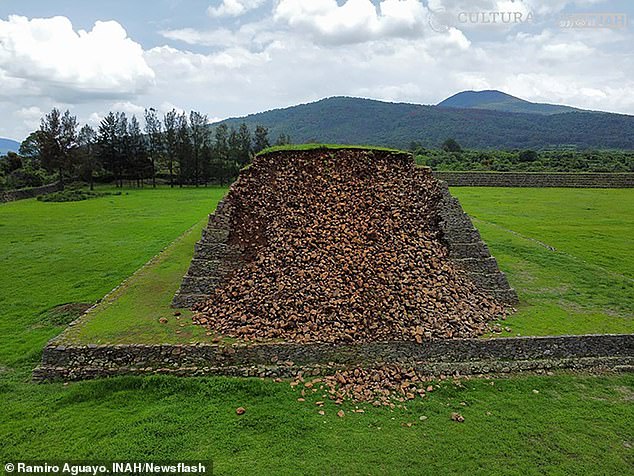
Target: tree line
{"points": [[451, 156], [177, 148]]}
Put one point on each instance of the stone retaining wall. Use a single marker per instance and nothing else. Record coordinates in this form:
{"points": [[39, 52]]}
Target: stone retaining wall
{"points": [[469, 252], [529, 179], [464, 356], [214, 258], [21, 194]]}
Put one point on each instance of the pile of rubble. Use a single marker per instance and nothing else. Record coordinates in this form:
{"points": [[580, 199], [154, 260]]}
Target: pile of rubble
{"points": [[387, 385], [341, 246]]}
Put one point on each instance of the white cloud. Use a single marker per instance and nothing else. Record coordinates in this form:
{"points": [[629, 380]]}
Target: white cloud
{"points": [[185, 63], [234, 8], [30, 116], [354, 21], [129, 108], [51, 59], [253, 35], [545, 7]]}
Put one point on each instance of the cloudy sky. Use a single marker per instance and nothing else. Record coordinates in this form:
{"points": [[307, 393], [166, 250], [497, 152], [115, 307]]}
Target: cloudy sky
{"points": [[233, 57]]}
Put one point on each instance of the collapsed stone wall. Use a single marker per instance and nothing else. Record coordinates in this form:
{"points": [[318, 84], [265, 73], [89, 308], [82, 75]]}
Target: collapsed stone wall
{"points": [[530, 179], [463, 356], [215, 255], [23, 193]]}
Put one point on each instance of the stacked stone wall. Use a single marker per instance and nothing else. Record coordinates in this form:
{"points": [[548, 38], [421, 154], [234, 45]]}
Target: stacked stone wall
{"points": [[526, 179], [23, 193]]}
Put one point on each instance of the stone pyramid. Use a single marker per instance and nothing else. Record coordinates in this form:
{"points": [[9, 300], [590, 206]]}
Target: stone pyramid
{"points": [[217, 256]]}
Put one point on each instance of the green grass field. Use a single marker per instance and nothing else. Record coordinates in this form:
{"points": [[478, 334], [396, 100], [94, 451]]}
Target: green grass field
{"points": [[567, 252], [77, 252]]}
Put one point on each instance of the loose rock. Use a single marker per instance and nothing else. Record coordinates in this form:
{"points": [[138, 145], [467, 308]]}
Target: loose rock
{"points": [[342, 246]]}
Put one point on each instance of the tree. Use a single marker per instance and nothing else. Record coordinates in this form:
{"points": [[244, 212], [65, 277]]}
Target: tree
{"points": [[154, 139], [198, 134], [283, 139], [87, 141], [183, 148], [451, 145], [221, 145], [137, 153], [10, 163], [244, 140], [233, 144], [48, 140], [122, 145], [528, 156], [30, 150], [170, 141], [261, 139], [57, 141], [111, 139]]}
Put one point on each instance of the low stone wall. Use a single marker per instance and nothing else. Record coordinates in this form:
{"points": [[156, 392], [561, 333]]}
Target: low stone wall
{"points": [[21, 194], [529, 179], [464, 356]]}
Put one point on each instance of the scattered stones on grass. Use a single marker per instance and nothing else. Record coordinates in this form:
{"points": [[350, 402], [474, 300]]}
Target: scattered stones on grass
{"points": [[388, 385], [457, 417], [163, 320]]}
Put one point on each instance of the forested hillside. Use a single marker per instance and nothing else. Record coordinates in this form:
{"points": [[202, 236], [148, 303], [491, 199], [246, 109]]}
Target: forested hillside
{"points": [[365, 121]]}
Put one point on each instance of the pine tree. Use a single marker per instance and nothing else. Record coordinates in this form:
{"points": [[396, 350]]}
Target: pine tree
{"points": [[138, 162], [170, 141], [154, 140], [198, 133], [87, 141], [221, 145], [57, 141], [261, 139], [183, 148], [244, 138]]}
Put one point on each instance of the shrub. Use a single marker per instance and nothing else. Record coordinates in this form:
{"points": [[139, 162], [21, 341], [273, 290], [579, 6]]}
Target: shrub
{"points": [[73, 195]]}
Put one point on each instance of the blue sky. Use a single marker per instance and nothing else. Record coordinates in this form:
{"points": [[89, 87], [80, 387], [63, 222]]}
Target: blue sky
{"points": [[234, 57]]}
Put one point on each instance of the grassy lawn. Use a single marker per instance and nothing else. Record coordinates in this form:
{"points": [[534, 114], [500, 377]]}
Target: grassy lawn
{"points": [[574, 425], [131, 314], [77, 252], [568, 252], [56, 253]]}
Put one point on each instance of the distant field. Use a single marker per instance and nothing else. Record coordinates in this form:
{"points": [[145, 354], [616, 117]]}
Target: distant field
{"points": [[53, 254]]}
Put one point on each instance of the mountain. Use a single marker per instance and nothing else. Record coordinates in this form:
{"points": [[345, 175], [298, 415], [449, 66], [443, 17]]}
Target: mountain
{"points": [[364, 121], [499, 101], [7, 145]]}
